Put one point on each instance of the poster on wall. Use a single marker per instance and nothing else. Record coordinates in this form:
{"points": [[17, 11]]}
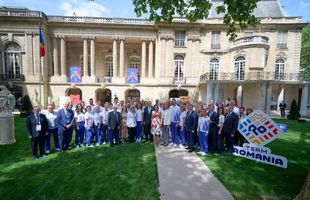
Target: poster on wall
{"points": [[75, 74], [133, 76], [75, 99], [259, 129]]}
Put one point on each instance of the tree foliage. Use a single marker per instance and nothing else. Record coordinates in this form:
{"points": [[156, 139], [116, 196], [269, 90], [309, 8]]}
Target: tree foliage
{"points": [[294, 111], [236, 12], [305, 52]]}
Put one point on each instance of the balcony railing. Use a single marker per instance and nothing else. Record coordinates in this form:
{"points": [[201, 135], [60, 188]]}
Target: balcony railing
{"points": [[250, 40], [12, 77], [21, 12], [104, 79], [179, 80], [253, 76]]}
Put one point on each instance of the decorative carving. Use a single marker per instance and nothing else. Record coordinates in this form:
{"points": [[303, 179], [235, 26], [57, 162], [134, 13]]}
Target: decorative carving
{"points": [[7, 100]]}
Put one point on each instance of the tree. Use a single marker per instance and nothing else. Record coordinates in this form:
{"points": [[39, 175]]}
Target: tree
{"points": [[294, 111], [26, 108], [305, 52], [236, 12]]}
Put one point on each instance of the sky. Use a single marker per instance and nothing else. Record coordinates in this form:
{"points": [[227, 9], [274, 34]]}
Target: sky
{"points": [[123, 8]]}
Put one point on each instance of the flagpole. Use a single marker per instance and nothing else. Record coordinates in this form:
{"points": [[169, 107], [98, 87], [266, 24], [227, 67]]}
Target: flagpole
{"points": [[40, 67]]}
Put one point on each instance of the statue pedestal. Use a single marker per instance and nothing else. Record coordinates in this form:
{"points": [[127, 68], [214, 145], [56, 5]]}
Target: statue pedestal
{"points": [[7, 135]]}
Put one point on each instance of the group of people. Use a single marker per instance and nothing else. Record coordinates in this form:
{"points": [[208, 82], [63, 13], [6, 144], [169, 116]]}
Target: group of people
{"points": [[212, 128]]}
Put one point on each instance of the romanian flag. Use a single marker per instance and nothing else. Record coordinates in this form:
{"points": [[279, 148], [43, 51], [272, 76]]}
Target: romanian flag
{"points": [[42, 49]]}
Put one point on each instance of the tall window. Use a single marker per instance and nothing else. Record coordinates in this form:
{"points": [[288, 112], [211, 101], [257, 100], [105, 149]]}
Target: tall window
{"points": [[214, 69], [215, 40], [179, 68], [282, 39], [279, 72], [13, 61], [239, 68], [180, 38], [109, 66]]}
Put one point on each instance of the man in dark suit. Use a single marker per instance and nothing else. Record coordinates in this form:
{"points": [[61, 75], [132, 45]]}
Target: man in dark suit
{"points": [[213, 131], [65, 117], [114, 121], [230, 128], [191, 122], [147, 116], [37, 129]]}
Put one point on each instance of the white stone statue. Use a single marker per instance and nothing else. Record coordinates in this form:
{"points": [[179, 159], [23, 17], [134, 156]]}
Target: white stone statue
{"points": [[7, 100]]}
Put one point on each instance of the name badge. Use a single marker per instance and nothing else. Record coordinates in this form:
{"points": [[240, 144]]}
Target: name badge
{"points": [[38, 127]]}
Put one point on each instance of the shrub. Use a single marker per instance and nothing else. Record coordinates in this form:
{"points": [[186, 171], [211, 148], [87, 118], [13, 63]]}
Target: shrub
{"points": [[294, 111], [26, 108]]}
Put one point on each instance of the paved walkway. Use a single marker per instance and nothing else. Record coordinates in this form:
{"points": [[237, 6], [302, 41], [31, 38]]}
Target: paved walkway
{"points": [[183, 175]]}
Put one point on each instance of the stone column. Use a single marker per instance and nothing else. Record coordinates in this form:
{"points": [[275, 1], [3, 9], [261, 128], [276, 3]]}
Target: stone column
{"points": [[63, 59], [304, 100], [85, 58], [114, 58], [157, 59], [151, 59], [55, 56], [209, 91], [92, 57], [239, 95], [268, 97], [162, 57], [143, 55], [122, 58], [262, 96], [29, 53]]}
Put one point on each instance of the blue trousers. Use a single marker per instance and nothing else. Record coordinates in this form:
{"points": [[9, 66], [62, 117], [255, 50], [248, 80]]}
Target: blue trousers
{"points": [[79, 134], [103, 130], [139, 130], [97, 134], [70, 136], [182, 135], [174, 132], [89, 134], [203, 141], [147, 131], [53, 132]]}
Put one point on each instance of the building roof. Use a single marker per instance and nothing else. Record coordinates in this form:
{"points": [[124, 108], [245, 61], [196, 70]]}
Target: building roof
{"points": [[265, 8]]}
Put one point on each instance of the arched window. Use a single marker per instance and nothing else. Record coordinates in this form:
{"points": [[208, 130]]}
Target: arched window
{"points": [[239, 68], [214, 69], [179, 68], [279, 72], [13, 61], [109, 66]]}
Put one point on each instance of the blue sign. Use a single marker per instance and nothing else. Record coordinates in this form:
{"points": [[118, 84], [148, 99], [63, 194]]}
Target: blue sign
{"points": [[133, 76], [75, 74]]}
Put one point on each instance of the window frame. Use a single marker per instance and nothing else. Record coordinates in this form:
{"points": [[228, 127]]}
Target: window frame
{"points": [[239, 68]]}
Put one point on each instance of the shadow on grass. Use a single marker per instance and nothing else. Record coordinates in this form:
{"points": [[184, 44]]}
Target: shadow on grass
{"points": [[128, 171]]}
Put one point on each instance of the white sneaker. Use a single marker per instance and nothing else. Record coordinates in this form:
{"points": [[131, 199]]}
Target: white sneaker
{"points": [[200, 152], [181, 146], [90, 145], [77, 146], [97, 144], [47, 151], [175, 145], [171, 144], [203, 154], [81, 145], [104, 143]]}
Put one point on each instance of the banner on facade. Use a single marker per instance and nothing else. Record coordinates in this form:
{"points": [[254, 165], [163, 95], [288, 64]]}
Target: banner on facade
{"points": [[133, 76], [259, 129], [75, 74]]}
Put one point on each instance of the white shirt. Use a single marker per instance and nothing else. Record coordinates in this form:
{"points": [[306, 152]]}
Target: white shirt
{"points": [[182, 116], [221, 120], [104, 115], [51, 117], [166, 117], [236, 110], [79, 117], [131, 119], [97, 118], [90, 120], [139, 115], [174, 110]]}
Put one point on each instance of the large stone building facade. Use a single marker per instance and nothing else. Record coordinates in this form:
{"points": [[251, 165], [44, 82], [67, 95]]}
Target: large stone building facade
{"points": [[260, 68]]}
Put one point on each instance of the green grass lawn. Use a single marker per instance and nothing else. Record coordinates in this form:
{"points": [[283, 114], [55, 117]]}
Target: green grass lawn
{"points": [[128, 171], [248, 179]]}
